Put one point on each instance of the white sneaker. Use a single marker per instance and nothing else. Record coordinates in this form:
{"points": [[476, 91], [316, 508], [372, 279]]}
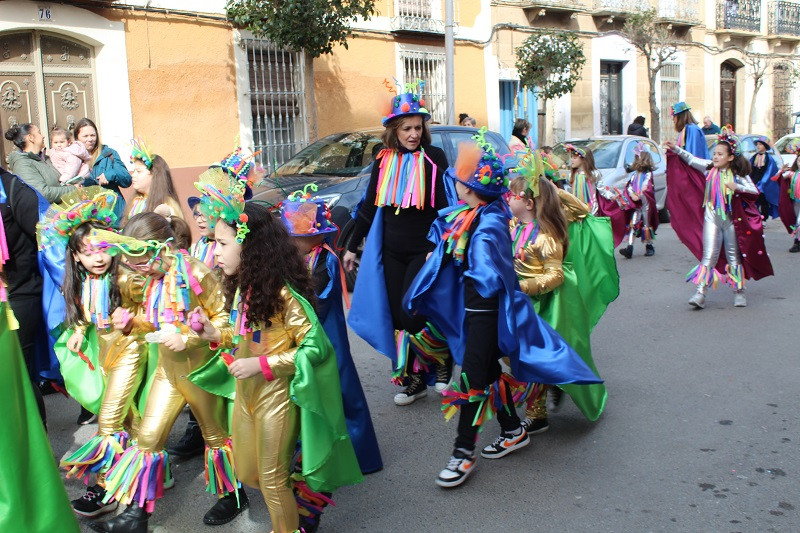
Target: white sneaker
{"points": [[505, 444], [739, 300], [698, 300], [460, 465]]}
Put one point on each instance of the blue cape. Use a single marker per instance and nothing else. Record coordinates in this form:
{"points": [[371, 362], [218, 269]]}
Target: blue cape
{"points": [[771, 189], [356, 410], [536, 351], [696, 142]]}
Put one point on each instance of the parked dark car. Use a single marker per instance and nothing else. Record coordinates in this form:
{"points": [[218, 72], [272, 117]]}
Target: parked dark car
{"points": [[340, 166]]}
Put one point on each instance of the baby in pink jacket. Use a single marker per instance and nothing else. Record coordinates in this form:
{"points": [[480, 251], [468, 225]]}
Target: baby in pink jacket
{"points": [[68, 156]]}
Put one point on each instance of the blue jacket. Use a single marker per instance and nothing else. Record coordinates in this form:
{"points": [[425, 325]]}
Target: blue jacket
{"points": [[110, 164]]}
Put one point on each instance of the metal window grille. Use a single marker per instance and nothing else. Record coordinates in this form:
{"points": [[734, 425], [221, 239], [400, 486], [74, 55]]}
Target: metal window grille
{"points": [[276, 102], [781, 102], [429, 67], [670, 94]]}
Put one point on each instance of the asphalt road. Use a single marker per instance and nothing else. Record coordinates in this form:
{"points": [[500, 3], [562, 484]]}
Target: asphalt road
{"points": [[699, 433]]}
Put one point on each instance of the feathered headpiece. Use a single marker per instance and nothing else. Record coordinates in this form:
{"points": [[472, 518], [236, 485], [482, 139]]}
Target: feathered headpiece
{"points": [[304, 215], [479, 168], [223, 199], [82, 205], [408, 103], [141, 152], [532, 168], [728, 137], [572, 148]]}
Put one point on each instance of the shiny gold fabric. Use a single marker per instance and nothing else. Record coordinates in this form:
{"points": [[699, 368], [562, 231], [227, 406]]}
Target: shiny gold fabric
{"points": [[265, 421], [574, 209], [537, 410], [540, 272], [171, 388]]}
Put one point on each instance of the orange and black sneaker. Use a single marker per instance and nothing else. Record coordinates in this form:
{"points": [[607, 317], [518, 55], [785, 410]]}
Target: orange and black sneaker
{"points": [[459, 466], [506, 443]]}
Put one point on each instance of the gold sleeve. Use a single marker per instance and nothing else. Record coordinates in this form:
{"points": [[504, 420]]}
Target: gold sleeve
{"points": [[574, 209], [297, 325], [131, 289], [542, 271], [212, 300]]}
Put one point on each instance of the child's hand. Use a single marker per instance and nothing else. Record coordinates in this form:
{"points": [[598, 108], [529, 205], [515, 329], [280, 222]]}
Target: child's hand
{"points": [[174, 342], [634, 196], [245, 368], [75, 342], [200, 323], [669, 145], [122, 320], [349, 261], [731, 185]]}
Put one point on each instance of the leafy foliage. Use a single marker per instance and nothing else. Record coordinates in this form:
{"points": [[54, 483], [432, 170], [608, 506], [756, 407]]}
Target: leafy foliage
{"points": [[312, 26], [551, 62]]}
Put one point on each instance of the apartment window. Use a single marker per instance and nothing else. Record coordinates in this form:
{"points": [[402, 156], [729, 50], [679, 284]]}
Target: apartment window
{"points": [[670, 94], [430, 68], [276, 102]]}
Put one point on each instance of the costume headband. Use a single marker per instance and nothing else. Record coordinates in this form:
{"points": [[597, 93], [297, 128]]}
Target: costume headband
{"points": [[572, 148], [114, 244], [793, 147], [727, 136], [531, 167], [223, 199], [142, 152], [75, 208]]}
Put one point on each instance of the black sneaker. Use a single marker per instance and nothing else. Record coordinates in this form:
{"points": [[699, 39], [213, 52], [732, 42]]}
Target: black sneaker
{"points": [[505, 444], [795, 247], [226, 509], [533, 427], [555, 397], [649, 250], [91, 504], [416, 389], [191, 444], [626, 252], [444, 373], [460, 465], [86, 417]]}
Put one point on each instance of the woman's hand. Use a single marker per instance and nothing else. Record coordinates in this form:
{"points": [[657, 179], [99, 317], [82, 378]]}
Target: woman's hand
{"points": [[209, 332], [669, 145], [174, 342], [75, 341], [101, 179], [349, 261], [122, 320], [245, 368]]}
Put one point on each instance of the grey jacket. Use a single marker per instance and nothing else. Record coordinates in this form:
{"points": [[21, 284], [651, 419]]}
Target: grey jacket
{"points": [[39, 173]]}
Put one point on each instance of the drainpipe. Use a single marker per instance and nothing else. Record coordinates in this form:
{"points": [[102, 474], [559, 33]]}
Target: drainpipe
{"points": [[449, 52]]}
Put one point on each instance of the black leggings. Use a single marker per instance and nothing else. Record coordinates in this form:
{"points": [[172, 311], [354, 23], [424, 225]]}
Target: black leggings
{"points": [[399, 270], [30, 316], [481, 363]]}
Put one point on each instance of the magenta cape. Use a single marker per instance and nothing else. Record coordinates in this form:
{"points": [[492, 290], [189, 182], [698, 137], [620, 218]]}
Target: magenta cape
{"points": [[685, 189], [619, 221], [786, 205]]}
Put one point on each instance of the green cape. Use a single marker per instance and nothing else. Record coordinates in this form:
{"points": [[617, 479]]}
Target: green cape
{"points": [[329, 461], [32, 495]]}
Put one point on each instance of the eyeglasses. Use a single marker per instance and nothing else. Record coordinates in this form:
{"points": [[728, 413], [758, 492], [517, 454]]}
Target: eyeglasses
{"points": [[511, 196], [198, 214]]}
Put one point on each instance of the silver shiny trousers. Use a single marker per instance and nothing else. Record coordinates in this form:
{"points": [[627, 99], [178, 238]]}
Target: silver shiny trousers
{"points": [[718, 233]]}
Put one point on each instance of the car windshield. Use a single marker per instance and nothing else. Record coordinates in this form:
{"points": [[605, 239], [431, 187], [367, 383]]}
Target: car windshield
{"points": [[343, 154], [605, 151], [781, 145]]}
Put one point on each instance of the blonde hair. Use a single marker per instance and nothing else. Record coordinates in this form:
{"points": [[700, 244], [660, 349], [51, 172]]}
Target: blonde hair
{"points": [[547, 208]]}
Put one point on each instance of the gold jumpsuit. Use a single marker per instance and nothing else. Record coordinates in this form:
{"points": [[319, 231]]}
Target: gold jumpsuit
{"points": [[171, 390], [123, 361], [265, 420]]}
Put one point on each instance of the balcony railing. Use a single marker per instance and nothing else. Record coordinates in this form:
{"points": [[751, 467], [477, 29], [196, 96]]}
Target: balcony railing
{"points": [[551, 5], [619, 7], [681, 11], [741, 15], [784, 18], [416, 16]]}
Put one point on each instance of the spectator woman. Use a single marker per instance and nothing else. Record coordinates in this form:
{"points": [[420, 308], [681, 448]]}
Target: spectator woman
{"points": [[31, 165], [107, 167], [519, 136]]}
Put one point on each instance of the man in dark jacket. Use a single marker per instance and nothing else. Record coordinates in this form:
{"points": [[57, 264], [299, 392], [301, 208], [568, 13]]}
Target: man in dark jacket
{"points": [[637, 127], [20, 213]]}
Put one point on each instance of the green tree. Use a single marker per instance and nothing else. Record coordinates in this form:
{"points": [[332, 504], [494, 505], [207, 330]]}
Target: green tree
{"points": [[654, 40], [312, 27], [550, 63]]}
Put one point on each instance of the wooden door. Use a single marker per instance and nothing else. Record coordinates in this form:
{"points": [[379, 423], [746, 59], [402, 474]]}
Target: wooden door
{"points": [[19, 102], [67, 80], [727, 95]]}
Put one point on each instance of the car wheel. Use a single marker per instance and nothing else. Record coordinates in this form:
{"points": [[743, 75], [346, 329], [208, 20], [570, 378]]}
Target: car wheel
{"points": [[663, 216], [341, 246]]}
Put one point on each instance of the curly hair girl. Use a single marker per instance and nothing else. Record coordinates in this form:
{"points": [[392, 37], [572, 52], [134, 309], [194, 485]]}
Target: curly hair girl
{"points": [[267, 260]]}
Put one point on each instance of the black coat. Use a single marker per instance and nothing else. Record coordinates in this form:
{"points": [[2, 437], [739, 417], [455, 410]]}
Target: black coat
{"points": [[20, 214], [637, 129]]}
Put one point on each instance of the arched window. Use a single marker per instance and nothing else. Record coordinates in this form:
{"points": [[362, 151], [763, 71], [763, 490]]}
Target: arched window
{"points": [[45, 79]]}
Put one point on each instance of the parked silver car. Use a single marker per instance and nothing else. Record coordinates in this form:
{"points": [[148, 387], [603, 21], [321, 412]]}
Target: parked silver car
{"points": [[748, 147], [613, 155], [782, 144]]}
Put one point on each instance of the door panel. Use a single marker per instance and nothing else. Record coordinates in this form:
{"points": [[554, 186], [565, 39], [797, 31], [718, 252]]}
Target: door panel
{"points": [[18, 105], [68, 98]]}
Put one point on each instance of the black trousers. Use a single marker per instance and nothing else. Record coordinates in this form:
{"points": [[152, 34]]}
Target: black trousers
{"points": [[400, 268], [30, 316], [481, 363]]}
